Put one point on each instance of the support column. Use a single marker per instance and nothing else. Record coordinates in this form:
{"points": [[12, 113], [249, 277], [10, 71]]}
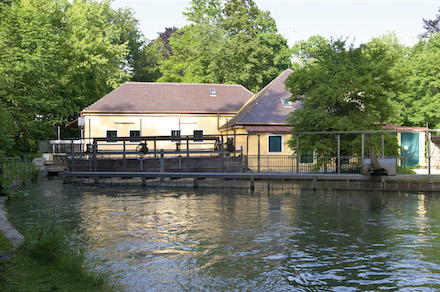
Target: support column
{"points": [[297, 154], [258, 158], [429, 156], [383, 145], [338, 162], [363, 153]]}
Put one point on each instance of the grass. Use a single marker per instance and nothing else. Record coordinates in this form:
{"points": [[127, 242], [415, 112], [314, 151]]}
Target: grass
{"points": [[5, 244], [48, 262]]}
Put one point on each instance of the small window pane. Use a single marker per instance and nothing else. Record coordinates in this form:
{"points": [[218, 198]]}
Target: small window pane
{"points": [[198, 135], [175, 134], [275, 143], [112, 134], [135, 134], [286, 102]]}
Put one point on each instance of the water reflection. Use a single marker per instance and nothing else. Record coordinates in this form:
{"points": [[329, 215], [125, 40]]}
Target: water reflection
{"points": [[298, 240]]}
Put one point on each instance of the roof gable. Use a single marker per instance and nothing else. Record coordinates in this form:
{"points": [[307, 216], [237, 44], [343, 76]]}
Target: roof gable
{"points": [[152, 97], [266, 107]]}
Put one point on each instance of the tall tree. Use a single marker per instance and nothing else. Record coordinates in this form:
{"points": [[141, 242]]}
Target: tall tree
{"points": [[343, 89], [231, 43], [56, 57], [129, 34], [31, 67], [421, 69]]}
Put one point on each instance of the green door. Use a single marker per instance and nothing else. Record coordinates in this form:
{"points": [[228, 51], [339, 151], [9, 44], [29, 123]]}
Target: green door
{"points": [[410, 148]]}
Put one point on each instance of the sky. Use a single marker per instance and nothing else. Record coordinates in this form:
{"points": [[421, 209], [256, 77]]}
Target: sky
{"points": [[357, 20]]}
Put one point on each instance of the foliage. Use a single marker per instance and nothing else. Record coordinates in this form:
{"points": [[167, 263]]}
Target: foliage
{"points": [[56, 57], [421, 70], [432, 26], [341, 88], [231, 43], [6, 131]]}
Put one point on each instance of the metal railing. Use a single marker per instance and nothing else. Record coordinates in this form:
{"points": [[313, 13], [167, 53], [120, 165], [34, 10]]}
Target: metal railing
{"points": [[321, 164], [15, 173]]}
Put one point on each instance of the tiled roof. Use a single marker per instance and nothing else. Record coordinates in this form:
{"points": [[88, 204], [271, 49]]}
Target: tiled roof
{"points": [[403, 128], [266, 108], [268, 129], [150, 97]]}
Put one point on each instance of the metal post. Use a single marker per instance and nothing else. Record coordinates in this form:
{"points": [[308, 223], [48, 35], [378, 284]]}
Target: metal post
{"points": [[363, 152], [71, 155], [297, 154], [383, 146], [155, 154], [339, 154], [187, 153], [95, 150], [429, 153], [162, 162], [123, 156], [222, 154], [258, 153]]}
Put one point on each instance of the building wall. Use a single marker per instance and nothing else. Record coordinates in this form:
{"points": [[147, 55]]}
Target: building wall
{"points": [[96, 126], [250, 142]]}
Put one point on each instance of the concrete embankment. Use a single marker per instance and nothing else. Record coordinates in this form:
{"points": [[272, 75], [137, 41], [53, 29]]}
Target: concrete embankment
{"points": [[6, 227]]}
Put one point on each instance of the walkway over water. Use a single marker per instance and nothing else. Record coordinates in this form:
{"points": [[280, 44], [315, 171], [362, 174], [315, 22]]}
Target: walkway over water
{"points": [[426, 183], [211, 160]]}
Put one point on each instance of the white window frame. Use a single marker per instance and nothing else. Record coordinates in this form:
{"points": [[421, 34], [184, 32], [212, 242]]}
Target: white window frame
{"points": [[268, 143], [106, 135], [180, 135], [129, 135], [203, 133], [285, 100]]}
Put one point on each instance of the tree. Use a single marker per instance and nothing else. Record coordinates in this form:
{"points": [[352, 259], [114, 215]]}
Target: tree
{"points": [[127, 26], [343, 89], [421, 100], [56, 57], [432, 26], [231, 43], [6, 131]]}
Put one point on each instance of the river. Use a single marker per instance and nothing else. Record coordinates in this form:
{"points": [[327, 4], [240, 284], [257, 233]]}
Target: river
{"points": [[235, 240]]}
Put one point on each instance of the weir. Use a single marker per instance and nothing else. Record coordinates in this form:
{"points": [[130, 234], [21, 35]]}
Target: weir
{"points": [[216, 161]]}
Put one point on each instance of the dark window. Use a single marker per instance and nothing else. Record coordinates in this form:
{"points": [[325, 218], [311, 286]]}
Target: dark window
{"points": [[112, 134], [198, 135], [175, 134], [275, 144], [135, 134]]}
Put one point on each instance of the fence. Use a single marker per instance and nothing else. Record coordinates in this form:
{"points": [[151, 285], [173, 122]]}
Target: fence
{"points": [[315, 164], [15, 173], [418, 152]]}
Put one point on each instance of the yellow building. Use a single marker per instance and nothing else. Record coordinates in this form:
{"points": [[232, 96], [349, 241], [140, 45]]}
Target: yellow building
{"points": [[260, 125], [137, 109]]}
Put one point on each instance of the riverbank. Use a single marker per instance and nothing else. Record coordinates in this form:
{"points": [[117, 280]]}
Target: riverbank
{"points": [[8, 230], [43, 262]]}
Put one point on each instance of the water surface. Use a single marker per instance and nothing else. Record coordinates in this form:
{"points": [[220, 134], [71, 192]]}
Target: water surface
{"points": [[234, 240]]}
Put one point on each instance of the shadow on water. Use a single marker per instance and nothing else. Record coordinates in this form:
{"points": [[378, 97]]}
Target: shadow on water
{"points": [[269, 240]]}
